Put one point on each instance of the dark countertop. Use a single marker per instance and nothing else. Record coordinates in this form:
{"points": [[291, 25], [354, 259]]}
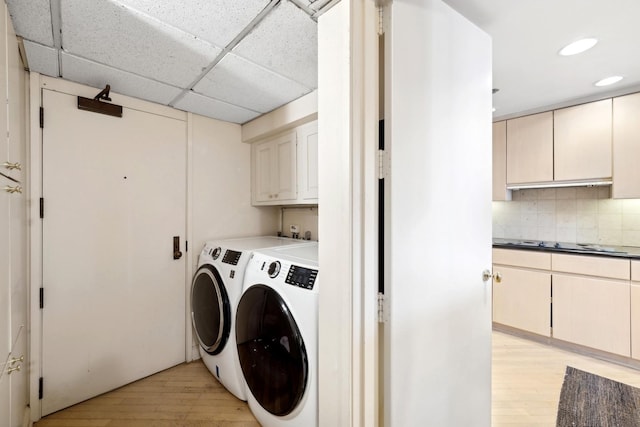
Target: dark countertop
{"points": [[628, 252]]}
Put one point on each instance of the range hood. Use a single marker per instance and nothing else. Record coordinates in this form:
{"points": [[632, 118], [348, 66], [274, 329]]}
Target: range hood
{"points": [[561, 184]]}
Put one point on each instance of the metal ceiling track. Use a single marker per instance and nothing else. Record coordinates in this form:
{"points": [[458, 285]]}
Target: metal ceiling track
{"points": [[268, 8]]}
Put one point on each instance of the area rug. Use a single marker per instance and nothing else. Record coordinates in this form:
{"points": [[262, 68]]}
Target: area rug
{"points": [[588, 400]]}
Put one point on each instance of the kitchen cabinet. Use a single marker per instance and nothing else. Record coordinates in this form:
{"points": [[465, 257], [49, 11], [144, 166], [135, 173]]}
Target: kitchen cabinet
{"points": [[285, 168], [626, 147], [530, 148], [522, 295], [582, 141], [635, 309], [500, 191], [591, 300], [274, 169]]}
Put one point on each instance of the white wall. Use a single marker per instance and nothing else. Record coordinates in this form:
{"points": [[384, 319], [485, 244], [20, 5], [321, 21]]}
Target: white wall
{"points": [[221, 186], [571, 215], [306, 218]]}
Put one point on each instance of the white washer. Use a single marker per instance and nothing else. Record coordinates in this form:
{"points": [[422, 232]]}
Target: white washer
{"points": [[277, 336], [215, 291]]}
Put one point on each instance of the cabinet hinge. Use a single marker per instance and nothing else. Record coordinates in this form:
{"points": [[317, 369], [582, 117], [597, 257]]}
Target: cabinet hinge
{"points": [[382, 310], [41, 117], [383, 164], [41, 207], [41, 297], [40, 388]]}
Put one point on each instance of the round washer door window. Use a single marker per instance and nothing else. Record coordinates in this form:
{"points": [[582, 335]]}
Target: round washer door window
{"points": [[210, 309], [271, 350]]}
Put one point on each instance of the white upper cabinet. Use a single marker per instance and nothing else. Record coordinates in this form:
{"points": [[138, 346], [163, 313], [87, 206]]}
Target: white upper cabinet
{"points": [[530, 149], [285, 168], [626, 147], [582, 141]]}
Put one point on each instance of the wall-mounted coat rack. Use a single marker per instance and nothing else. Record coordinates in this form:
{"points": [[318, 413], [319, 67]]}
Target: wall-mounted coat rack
{"points": [[96, 105]]}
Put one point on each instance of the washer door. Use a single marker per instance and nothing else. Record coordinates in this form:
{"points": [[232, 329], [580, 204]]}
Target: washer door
{"points": [[271, 350], [210, 309]]}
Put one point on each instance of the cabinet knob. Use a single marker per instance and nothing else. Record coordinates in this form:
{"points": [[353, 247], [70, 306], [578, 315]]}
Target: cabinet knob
{"points": [[486, 275], [12, 166]]}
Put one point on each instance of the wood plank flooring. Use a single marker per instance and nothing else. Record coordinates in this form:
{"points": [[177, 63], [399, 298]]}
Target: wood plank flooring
{"points": [[527, 378]]}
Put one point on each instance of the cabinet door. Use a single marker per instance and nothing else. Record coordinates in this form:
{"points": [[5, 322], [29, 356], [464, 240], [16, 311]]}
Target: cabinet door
{"points": [[582, 141], [592, 312], [308, 162], [284, 177], [522, 299], [530, 148], [500, 161], [626, 147], [635, 320], [262, 170]]}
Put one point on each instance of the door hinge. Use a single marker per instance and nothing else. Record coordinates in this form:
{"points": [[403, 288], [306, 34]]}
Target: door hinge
{"points": [[41, 207], [382, 310], [380, 19], [186, 246], [383, 164], [41, 117], [40, 388], [41, 297]]}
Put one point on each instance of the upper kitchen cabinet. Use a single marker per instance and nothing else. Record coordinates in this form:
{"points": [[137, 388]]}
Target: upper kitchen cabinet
{"points": [[582, 141], [285, 168], [274, 170], [500, 191], [530, 149], [626, 147]]}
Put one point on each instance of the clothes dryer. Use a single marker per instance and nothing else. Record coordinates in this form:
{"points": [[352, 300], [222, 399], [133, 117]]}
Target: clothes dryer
{"points": [[277, 336], [215, 291]]}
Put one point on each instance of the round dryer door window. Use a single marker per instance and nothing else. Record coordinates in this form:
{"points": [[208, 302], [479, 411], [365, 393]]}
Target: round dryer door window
{"points": [[210, 309], [271, 350]]}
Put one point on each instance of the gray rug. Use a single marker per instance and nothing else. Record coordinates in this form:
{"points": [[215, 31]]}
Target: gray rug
{"points": [[588, 400]]}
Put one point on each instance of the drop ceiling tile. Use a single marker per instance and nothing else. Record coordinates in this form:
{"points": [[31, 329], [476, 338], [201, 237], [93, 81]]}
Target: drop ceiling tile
{"points": [[32, 20], [97, 75], [240, 82], [286, 41], [42, 59], [213, 108], [110, 33], [216, 21]]}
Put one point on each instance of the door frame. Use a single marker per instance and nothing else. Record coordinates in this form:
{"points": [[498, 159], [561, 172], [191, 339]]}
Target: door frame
{"points": [[37, 83]]}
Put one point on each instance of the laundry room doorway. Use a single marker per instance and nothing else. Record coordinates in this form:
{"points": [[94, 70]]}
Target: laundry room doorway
{"points": [[113, 234]]}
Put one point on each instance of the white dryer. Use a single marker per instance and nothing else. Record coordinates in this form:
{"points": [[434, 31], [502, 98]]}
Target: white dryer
{"points": [[277, 336], [215, 292]]}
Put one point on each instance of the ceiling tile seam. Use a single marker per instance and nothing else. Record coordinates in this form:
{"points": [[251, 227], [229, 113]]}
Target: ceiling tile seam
{"points": [[274, 72], [326, 7], [56, 28], [226, 103], [112, 68], [233, 43], [306, 9]]}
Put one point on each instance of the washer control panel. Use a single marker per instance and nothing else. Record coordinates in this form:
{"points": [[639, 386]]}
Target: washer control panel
{"points": [[301, 277], [231, 257], [215, 253], [274, 269]]}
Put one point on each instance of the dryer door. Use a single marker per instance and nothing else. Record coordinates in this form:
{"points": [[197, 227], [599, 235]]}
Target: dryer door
{"points": [[210, 309], [271, 350]]}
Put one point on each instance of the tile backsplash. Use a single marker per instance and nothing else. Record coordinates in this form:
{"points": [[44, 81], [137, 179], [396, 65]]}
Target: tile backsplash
{"points": [[571, 215]]}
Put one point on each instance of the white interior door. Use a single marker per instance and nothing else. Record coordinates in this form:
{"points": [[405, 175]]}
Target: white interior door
{"points": [[438, 124], [114, 298]]}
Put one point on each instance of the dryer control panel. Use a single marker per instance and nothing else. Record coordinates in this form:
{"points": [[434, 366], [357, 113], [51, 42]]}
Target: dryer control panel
{"points": [[301, 277]]}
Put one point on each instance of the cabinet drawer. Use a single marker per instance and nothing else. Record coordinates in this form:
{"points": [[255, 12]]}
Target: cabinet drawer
{"points": [[635, 271], [591, 266], [527, 259]]}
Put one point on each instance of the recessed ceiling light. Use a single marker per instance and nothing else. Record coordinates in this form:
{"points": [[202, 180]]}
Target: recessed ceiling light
{"points": [[608, 81], [578, 46]]}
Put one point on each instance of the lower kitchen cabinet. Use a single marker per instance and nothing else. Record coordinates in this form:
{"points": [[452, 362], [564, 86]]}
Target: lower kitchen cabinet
{"points": [[593, 312], [635, 309], [522, 299]]}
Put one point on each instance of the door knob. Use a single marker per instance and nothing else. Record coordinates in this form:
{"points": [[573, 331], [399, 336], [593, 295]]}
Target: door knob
{"points": [[486, 275], [176, 248]]}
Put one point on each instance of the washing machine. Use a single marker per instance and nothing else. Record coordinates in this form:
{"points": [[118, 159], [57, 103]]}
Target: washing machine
{"points": [[277, 336], [215, 292]]}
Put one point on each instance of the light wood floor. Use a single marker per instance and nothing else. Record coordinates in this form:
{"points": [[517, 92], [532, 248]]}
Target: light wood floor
{"points": [[527, 378]]}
